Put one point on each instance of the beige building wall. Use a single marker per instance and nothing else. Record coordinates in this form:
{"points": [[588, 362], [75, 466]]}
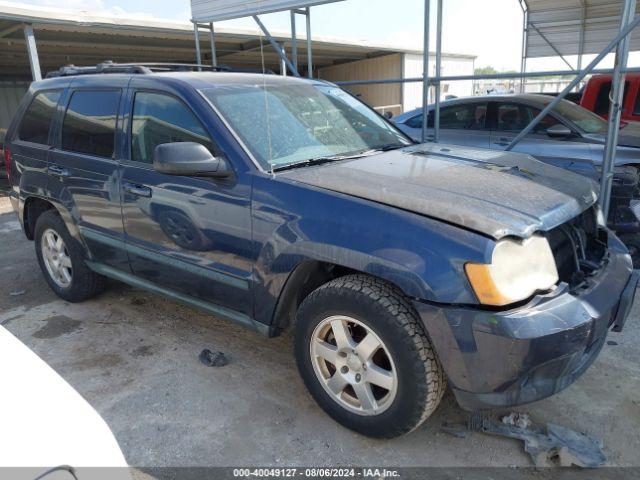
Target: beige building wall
{"points": [[381, 97]]}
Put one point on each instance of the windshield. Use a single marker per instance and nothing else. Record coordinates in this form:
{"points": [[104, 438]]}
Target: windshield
{"points": [[286, 124], [584, 119]]}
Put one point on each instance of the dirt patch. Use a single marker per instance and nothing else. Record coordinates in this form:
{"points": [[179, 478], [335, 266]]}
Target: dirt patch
{"points": [[57, 326], [102, 361], [142, 351]]}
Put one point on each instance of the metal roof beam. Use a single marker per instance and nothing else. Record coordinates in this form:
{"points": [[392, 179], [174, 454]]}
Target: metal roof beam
{"points": [[10, 30], [276, 47], [553, 47]]}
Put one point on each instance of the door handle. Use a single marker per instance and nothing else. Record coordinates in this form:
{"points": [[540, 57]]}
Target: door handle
{"points": [[58, 171], [137, 190]]}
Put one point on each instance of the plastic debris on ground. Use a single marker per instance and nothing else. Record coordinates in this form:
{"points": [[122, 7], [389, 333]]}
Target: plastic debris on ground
{"points": [[549, 446], [213, 359]]}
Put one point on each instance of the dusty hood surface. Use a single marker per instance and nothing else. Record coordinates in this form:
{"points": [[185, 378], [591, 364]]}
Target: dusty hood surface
{"points": [[490, 192], [629, 136]]}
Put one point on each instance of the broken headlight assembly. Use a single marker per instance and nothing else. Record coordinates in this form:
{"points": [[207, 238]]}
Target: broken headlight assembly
{"points": [[518, 269]]}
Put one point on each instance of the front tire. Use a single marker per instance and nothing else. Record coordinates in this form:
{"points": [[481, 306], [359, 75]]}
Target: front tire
{"points": [[365, 358], [61, 260], [632, 242]]}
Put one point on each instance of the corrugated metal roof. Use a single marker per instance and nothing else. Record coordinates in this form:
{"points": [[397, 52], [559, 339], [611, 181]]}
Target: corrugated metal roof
{"points": [[81, 38], [559, 22], [217, 10]]}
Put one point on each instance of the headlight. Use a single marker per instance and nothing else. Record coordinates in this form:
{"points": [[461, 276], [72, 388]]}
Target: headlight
{"points": [[600, 217], [518, 269]]}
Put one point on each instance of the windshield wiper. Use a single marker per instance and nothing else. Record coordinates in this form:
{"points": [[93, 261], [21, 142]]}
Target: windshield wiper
{"points": [[310, 162], [335, 158], [390, 146]]}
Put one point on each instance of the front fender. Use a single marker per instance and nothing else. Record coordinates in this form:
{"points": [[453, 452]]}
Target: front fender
{"points": [[295, 223]]}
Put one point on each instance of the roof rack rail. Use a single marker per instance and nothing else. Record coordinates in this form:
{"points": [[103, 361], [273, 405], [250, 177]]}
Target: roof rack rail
{"points": [[139, 68]]}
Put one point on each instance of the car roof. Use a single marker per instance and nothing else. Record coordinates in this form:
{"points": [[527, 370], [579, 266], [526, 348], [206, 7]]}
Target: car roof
{"points": [[197, 80], [529, 98]]}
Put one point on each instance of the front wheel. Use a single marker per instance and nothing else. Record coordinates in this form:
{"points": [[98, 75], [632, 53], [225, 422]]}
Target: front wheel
{"points": [[363, 354], [632, 242]]}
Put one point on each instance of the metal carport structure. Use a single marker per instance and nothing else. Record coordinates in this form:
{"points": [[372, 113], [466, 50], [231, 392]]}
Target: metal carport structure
{"points": [[571, 28], [582, 27]]}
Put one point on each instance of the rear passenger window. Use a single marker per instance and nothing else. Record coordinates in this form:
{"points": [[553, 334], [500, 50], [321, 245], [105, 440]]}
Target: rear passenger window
{"points": [[90, 122], [37, 119], [159, 118]]}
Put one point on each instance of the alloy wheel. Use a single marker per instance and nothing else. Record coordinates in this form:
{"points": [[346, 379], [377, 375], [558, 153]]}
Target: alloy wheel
{"points": [[56, 258], [353, 365]]}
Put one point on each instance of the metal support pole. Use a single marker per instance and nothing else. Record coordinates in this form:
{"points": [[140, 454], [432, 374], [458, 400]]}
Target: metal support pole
{"points": [[436, 117], [525, 33], [583, 19], [214, 56], [196, 35], [283, 65], [425, 73], [623, 33], [32, 51], [309, 46], [276, 47], [294, 40], [486, 76], [615, 109]]}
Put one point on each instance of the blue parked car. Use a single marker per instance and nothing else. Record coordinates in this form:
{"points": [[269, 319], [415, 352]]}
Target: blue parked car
{"points": [[285, 203]]}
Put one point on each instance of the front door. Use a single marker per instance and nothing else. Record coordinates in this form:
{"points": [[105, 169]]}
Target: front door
{"points": [[565, 152], [188, 234]]}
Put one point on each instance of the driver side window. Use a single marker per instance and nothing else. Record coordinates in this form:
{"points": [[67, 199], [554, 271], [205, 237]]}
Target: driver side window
{"points": [[159, 118], [514, 118]]}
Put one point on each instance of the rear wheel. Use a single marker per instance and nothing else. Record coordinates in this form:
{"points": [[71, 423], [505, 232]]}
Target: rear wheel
{"points": [[61, 260], [364, 356]]}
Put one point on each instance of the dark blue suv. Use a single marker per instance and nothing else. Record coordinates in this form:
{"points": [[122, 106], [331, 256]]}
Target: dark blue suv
{"points": [[287, 203]]}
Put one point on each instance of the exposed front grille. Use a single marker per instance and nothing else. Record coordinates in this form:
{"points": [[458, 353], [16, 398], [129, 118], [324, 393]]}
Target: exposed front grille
{"points": [[579, 247]]}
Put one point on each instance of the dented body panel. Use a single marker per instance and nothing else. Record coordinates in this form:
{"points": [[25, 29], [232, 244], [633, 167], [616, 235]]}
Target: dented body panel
{"points": [[499, 359], [492, 193]]}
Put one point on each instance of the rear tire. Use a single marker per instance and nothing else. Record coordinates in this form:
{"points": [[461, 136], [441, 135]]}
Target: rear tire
{"points": [[385, 379], [62, 260]]}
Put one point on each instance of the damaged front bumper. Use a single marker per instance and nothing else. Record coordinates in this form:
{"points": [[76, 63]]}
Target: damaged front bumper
{"points": [[499, 359]]}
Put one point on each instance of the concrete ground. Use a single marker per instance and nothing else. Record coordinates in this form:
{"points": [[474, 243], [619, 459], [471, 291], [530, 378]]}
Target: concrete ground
{"points": [[134, 357]]}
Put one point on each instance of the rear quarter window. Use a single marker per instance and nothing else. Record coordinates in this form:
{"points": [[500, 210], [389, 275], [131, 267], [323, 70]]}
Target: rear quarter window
{"points": [[36, 122], [89, 125]]}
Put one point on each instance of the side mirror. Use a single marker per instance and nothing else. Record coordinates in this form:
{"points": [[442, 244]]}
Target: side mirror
{"points": [[388, 115], [559, 131], [189, 159]]}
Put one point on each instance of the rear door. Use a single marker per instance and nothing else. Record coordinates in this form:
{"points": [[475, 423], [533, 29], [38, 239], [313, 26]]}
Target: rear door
{"points": [[190, 234], [83, 165], [31, 143], [511, 118]]}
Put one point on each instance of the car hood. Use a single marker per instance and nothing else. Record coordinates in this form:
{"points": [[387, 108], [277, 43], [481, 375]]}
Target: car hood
{"points": [[493, 193], [629, 135]]}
